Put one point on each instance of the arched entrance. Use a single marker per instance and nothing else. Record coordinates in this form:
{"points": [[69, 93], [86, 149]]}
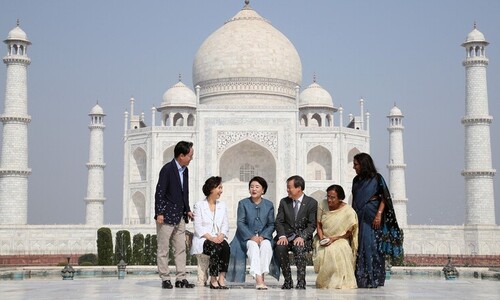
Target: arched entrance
{"points": [[238, 165]]}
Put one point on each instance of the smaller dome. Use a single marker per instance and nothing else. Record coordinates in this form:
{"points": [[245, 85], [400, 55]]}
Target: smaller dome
{"points": [[97, 110], [179, 95], [315, 95], [475, 36], [17, 34], [395, 111]]}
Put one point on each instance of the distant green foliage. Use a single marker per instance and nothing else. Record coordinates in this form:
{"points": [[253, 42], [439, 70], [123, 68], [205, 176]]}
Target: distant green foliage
{"points": [[89, 259], [154, 249], [138, 249], [123, 248], [104, 247], [148, 260]]}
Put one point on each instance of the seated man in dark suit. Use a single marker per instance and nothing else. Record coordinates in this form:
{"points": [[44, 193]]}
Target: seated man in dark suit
{"points": [[295, 225]]}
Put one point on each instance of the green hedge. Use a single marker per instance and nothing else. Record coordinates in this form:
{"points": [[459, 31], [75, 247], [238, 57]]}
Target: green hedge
{"points": [[149, 260], [89, 259], [104, 247], [154, 249], [138, 250], [123, 248]]}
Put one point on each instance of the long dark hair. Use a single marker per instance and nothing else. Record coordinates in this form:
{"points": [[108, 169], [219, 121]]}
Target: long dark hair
{"points": [[368, 169]]}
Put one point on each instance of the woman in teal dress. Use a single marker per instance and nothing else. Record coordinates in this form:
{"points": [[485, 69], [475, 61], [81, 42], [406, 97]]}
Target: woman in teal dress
{"points": [[377, 222], [253, 239]]}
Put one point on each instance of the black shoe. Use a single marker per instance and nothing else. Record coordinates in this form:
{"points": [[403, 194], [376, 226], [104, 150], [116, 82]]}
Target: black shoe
{"points": [[184, 284], [213, 287], [166, 284], [222, 287], [301, 285], [287, 285]]}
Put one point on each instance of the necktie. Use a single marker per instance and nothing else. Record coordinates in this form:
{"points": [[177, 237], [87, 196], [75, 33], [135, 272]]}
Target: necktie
{"points": [[296, 208]]}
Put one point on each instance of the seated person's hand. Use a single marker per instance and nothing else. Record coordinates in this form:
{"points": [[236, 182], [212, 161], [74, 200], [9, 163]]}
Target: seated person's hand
{"points": [[282, 241], [298, 241]]}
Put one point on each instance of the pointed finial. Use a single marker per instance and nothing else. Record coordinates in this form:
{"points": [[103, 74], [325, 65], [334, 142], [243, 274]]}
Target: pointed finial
{"points": [[475, 24], [17, 22], [180, 77], [97, 102], [394, 103], [314, 77], [247, 2]]}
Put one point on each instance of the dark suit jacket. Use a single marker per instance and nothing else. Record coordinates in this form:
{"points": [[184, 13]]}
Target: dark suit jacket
{"points": [[305, 224], [172, 200]]}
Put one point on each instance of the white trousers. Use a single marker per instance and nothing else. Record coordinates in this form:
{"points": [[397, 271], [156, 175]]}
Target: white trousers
{"points": [[259, 257]]}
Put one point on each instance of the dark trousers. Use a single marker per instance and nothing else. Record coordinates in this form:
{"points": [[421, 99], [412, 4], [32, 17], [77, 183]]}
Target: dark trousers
{"points": [[299, 253], [219, 256]]}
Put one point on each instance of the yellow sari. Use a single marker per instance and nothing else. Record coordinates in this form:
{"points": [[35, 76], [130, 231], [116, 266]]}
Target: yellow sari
{"points": [[335, 263]]}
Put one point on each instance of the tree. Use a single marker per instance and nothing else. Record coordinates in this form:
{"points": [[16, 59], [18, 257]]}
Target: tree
{"points": [[138, 249], [123, 248], [154, 249], [104, 247], [148, 260]]}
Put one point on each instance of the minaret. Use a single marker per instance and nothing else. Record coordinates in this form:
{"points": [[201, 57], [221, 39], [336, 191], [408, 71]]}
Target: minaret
{"points": [[397, 166], [478, 171], [14, 169], [95, 187]]}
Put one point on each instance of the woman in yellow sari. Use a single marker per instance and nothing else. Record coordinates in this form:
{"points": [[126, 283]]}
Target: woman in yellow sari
{"points": [[336, 242]]}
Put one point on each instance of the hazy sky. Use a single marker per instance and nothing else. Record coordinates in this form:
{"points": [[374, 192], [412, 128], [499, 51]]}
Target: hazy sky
{"points": [[403, 52]]}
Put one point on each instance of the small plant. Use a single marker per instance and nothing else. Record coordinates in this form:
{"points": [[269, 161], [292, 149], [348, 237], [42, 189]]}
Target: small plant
{"points": [[89, 259]]}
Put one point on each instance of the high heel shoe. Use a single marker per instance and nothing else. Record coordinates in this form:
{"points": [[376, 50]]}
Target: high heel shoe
{"points": [[213, 287], [222, 287]]}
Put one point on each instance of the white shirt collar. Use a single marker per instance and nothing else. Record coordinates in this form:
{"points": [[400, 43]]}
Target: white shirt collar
{"points": [[179, 167]]}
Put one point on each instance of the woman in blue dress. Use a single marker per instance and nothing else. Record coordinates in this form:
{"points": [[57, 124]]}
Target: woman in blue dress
{"points": [[372, 202], [253, 239]]}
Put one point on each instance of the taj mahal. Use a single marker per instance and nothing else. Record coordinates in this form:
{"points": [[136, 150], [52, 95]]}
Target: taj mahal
{"points": [[248, 113]]}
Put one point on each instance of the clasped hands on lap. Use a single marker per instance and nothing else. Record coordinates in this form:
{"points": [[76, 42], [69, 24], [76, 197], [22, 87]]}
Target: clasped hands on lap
{"points": [[257, 239], [216, 239], [298, 241]]}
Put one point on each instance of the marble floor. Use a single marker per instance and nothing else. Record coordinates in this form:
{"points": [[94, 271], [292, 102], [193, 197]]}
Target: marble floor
{"points": [[148, 287]]}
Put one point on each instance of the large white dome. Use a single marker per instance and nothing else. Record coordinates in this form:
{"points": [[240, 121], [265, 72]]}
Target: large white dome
{"points": [[248, 53]]}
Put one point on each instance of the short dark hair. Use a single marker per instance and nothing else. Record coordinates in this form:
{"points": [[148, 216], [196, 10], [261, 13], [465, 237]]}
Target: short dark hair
{"points": [[210, 184], [182, 147], [260, 180], [368, 169], [338, 189], [297, 182]]}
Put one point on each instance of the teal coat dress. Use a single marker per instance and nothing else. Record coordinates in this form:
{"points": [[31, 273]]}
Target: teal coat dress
{"points": [[252, 219]]}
